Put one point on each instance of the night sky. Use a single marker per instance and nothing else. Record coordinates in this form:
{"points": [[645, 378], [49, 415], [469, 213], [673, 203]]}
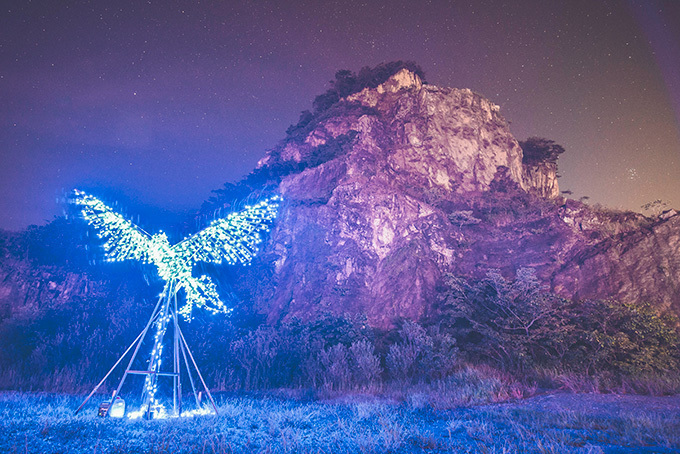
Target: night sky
{"points": [[163, 101]]}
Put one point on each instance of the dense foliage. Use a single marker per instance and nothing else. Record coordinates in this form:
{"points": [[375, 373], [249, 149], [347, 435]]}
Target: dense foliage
{"points": [[517, 326], [512, 325], [538, 149]]}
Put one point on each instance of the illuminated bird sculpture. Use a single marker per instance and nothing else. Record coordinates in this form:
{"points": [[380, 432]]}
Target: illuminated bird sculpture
{"points": [[233, 240]]}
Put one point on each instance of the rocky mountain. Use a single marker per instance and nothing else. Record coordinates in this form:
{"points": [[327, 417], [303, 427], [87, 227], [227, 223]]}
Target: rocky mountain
{"points": [[405, 181], [392, 186]]}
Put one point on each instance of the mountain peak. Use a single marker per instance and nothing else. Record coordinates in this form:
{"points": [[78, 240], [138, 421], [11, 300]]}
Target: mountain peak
{"points": [[392, 183], [402, 79]]}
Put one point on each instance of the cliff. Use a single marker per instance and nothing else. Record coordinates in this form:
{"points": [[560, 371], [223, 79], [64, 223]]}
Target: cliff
{"points": [[47, 268], [542, 179], [425, 180], [360, 232]]}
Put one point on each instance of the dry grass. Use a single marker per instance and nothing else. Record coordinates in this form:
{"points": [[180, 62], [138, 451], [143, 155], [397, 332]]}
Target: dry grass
{"points": [[667, 384], [38, 423]]}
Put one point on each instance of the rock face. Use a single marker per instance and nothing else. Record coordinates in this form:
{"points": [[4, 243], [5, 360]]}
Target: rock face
{"points": [[30, 288], [639, 264], [542, 179], [406, 181], [43, 269], [359, 232]]}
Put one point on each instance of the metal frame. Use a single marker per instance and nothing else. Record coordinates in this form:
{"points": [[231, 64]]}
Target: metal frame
{"points": [[165, 310]]}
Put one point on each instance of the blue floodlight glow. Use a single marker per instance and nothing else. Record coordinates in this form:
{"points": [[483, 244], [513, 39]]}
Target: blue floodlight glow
{"points": [[232, 240]]}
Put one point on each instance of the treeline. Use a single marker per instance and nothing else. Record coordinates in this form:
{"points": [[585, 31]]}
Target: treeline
{"points": [[346, 83], [513, 326]]}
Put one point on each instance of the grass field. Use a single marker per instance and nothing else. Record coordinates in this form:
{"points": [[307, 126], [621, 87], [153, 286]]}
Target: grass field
{"points": [[561, 423]]}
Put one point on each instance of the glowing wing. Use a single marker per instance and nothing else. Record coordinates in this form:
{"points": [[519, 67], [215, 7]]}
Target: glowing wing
{"points": [[233, 239], [123, 239]]}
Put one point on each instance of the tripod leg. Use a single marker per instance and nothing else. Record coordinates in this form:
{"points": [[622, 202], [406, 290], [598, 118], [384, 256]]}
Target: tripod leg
{"points": [[109, 373], [207, 391], [177, 379], [191, 379], [154, 314]]}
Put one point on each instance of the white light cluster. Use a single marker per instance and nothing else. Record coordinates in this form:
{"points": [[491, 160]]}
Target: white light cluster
{"points": [[151, 382], [161, 413], [232, 240]]}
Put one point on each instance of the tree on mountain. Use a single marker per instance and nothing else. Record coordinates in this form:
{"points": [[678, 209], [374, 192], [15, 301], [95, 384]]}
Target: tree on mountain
{"points": [[539, 149], [347, 82], [512, 323], [655, 207]]}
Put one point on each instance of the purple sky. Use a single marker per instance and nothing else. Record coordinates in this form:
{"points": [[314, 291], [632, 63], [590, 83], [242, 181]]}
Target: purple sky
{"points": [[164, 101]]}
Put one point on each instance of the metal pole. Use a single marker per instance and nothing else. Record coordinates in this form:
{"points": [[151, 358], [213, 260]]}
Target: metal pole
{"points": [[177, 379], [191, 379], [199, 373], [108, 373], [174, 364], [154, 314], [158, 342]]}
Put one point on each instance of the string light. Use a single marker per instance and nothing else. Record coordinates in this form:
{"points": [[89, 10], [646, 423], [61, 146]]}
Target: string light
{"points": [[231, 240]]}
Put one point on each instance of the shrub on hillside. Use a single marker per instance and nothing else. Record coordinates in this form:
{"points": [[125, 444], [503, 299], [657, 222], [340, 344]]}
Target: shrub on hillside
{"points": [[511, 323], [518, 326], [365, 364], [335, 363], [256, 353], [421, 356], [628, 338], [347, 82]]}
